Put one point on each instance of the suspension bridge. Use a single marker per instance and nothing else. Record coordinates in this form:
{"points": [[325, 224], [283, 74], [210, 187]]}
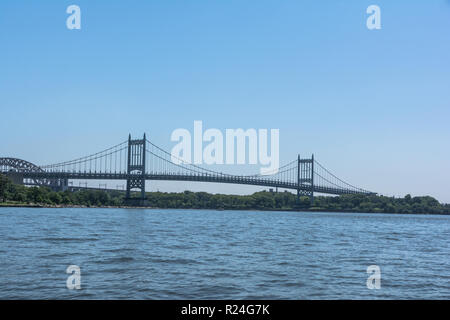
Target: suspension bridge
{"points": [[138, 160]]}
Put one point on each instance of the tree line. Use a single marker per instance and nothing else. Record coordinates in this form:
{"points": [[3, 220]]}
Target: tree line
{"points": [[21, 195]]}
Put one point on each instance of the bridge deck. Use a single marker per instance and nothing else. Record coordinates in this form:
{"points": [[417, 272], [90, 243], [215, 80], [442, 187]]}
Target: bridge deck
{"points": [[266, 182]]}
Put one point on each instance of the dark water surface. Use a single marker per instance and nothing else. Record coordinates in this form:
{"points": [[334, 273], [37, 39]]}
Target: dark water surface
{"points": [[201, 254]]}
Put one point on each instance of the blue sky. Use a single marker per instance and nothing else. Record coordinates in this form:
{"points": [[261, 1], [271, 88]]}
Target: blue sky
{"points": [[373, 106]]}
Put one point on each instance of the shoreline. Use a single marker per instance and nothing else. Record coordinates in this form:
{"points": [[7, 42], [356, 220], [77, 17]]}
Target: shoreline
{"points": [[42, 206], [13, 195]]}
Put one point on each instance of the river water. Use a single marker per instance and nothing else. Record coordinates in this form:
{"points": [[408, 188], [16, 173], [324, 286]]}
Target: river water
{"points": [[207, 254]]}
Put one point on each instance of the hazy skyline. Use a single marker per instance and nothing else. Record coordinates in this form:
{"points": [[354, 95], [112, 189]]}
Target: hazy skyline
{"points": [[372, 105]]}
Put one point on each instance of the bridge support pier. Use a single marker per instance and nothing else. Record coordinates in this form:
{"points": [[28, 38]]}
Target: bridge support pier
{"points": [[136, 171], [15, 177], [59, 184], [305, 179], [63, 184]]}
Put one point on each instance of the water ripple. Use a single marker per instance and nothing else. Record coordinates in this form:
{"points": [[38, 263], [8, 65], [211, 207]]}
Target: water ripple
{"points": [[176, 254]]}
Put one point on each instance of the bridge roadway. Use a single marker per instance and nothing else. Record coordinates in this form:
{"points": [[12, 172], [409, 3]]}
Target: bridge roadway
{"points": [[198, 178]]}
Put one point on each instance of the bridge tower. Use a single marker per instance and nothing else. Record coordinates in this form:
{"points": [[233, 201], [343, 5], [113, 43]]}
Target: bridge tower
{"points": [[305, 178], [136, 170]]}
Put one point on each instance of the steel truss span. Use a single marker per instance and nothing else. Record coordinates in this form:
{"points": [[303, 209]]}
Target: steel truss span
{"points": [[138, 160]]}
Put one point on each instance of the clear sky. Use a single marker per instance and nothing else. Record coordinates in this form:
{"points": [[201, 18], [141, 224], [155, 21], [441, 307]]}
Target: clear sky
{"points": [[372, 105]]}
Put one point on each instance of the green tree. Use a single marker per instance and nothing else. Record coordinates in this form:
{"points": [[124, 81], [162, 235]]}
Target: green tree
{"points": [[4, 182]]}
